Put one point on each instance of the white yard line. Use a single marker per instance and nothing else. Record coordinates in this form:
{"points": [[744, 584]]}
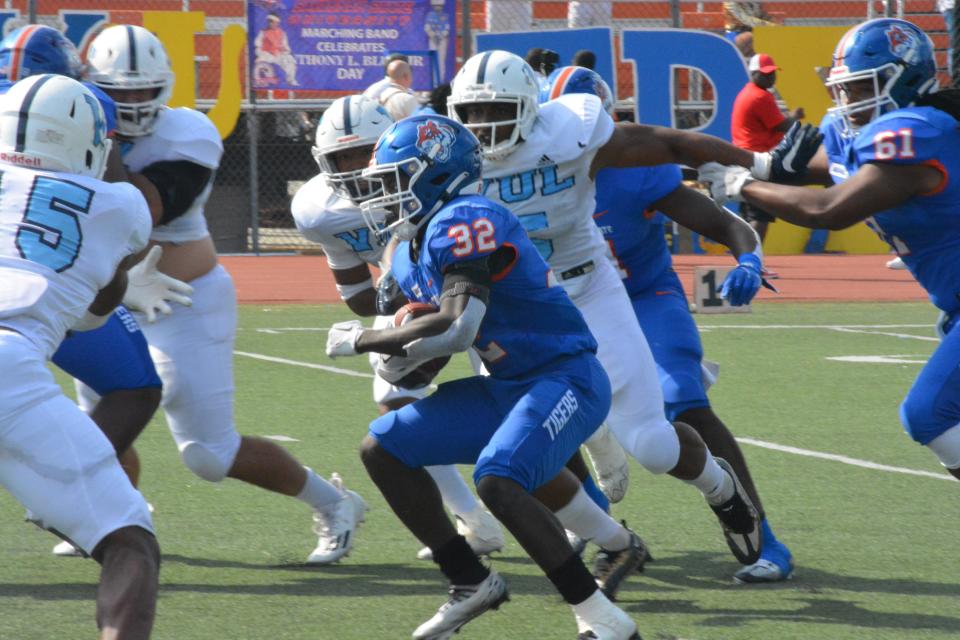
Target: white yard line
{"points": [[307, 365], [866, 464], [888, 333]]}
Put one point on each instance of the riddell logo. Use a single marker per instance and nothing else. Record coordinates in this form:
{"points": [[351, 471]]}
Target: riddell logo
{"points": [[16, 158]]}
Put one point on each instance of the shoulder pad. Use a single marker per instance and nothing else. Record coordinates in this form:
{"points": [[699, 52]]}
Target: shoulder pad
{"points": [[189, 136]]}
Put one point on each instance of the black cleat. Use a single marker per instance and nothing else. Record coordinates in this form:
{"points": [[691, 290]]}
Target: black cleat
{"points": [[740, 521], [611, 568]]}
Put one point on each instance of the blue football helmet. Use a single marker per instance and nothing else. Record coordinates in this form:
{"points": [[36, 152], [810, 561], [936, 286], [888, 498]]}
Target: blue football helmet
{"points": [[896, 55], [36, 49], [421, 162], [577, 80]]}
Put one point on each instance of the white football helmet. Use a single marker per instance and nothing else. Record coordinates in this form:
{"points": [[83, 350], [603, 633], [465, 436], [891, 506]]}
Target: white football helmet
{"points": [[497, 76], [348, 123], [126, 57], [54, 123]]}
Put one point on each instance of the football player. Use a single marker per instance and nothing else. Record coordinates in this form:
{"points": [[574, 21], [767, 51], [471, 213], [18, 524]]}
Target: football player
{"points": [[327, 211], [171, 155], [890, 146], [541, 163], [112, 360], [546, 392], [53, 149], [628, 212]]}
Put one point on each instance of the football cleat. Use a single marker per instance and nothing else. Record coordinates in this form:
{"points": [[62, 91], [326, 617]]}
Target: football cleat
{"points": [[896, 263], [609, 462], [740, 521], [616, 625], [66, 550], [775, 565], [611, 568], [466, 603], [337, 528], [482, 531]]}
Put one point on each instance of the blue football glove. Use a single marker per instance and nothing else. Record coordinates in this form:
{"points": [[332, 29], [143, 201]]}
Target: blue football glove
{"points": [[742, 284], [789, 159]]}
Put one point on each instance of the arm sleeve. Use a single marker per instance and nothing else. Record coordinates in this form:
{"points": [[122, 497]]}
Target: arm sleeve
{"points": [[179, 183]]}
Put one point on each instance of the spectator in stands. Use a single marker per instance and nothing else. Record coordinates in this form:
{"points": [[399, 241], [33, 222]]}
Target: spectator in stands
{"points": [[744, 43], [585, 58], [758, 125], [373, 91], [397, 97], [549, 61], [437, 103]]}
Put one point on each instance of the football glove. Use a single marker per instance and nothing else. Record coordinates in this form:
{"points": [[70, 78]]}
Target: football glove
{"points": [[725, 182], [743, 282], [789, 159], [150, 291], [389, 297], [342, 338]]}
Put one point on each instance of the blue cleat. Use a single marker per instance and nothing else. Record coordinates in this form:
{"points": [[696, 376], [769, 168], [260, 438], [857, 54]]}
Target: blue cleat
{"points": [[775, 563]]}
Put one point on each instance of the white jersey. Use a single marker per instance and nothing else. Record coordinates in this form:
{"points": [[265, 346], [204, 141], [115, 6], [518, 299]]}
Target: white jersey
{"points": [[178, 134], [61, 239], [336, 224], [546, 181]]}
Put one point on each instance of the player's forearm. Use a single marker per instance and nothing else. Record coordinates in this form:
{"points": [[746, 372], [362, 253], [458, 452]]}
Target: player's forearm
{"points": [[810, 208], [393, 340], [693, 149]]}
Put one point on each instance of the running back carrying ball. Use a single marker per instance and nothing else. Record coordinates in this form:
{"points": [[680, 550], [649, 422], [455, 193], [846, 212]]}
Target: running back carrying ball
{"points": [[404, 372]]}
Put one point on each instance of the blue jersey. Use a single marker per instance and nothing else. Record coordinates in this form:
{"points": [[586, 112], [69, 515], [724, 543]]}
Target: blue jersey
{"points": [[633, 230], [924, 230], [109, 107], [528, 324]]}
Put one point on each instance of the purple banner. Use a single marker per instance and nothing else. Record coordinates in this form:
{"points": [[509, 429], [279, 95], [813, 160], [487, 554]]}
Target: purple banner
{"points": [[340, 45]]}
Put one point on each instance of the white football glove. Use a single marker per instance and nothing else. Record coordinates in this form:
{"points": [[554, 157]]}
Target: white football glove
{"points": [[342, 338], [149, 291], [725, 182]]}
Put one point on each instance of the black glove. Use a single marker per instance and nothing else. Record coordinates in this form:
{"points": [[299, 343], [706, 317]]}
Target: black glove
{"points": [[789, 159]]}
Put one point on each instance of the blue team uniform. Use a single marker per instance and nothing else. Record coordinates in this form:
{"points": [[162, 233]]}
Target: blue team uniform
{"points": [[635, 235], [925, 232], [114, 356], [546, 392]]}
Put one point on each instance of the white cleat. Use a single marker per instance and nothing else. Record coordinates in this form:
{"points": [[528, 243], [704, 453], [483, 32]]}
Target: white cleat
{"points": [[465, 604], [66, 550], [897, 263], [609, 462], [614, 625], [337, 529], [482, 531]]}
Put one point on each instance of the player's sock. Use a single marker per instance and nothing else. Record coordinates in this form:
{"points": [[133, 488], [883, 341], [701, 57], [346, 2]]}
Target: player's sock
{"points": [[456, 495], [574, 582], [582, 516], [318, 493], [714, 483], [459, 563], [595, 493]]}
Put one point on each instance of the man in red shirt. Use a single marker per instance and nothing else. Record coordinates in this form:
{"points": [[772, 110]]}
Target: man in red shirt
{"points": [[758, 125]]}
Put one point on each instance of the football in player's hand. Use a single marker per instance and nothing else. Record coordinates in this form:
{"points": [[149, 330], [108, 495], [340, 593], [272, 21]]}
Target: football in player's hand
{"points": [[404, 372]]}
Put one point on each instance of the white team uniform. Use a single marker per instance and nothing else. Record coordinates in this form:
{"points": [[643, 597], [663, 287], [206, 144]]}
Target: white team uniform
{"points": [[546, 183], [61, 239], [192, 348], [337, 225]]}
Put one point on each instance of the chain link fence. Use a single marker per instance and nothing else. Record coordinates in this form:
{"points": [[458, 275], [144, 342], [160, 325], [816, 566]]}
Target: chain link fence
{"points": [[267, 156]]}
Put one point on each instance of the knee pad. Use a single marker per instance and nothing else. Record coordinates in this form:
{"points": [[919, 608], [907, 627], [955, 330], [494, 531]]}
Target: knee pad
{"points": [[206, 463], [655, 446]]}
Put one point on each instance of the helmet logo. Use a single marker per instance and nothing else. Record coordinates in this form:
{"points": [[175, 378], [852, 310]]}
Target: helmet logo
{"points": [[435, 140], [903, 43]]}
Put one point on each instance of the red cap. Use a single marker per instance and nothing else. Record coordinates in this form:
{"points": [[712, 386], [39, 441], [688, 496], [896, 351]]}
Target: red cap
{"points": [[762, 63]]}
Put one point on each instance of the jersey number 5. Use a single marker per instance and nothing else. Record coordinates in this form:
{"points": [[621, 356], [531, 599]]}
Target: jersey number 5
{"points": [[478, 237], [888, 145], [49, 233]]}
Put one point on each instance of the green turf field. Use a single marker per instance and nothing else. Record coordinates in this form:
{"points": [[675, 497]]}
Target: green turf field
{"points": [[875, 547]]}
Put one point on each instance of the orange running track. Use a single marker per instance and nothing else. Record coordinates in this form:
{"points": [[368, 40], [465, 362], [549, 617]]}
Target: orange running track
{"points": [[837, 278]]}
